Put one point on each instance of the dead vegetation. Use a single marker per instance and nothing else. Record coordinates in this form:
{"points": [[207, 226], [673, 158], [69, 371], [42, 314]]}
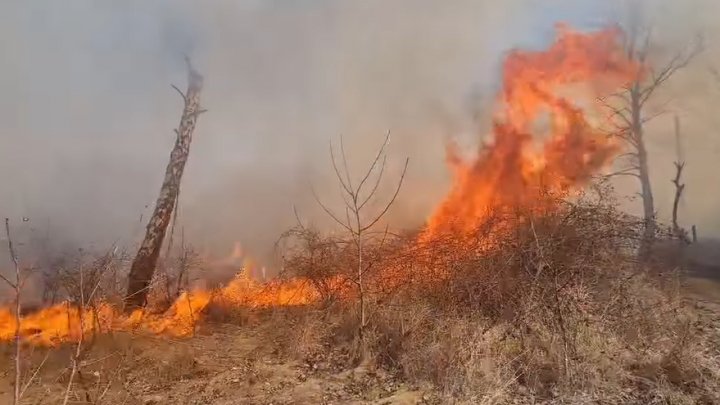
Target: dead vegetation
{"points": [[557, 308]]}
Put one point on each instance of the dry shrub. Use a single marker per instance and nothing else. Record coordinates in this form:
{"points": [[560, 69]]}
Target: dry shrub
{"points": [[299, 333], [83, 274], [308, 337], [175, 365], [547, 306], [104, 368], [320, 259]]}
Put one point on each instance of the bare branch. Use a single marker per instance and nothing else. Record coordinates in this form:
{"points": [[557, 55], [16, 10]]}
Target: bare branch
{"points": [[184, 97], [679, 61], [349, 204], [625, 134], [628, 154], [34, 374], [622, 95], [297, 218], [329, 212], [630, 171], [653, 116], [345, 164], [355, 234], [346, 187], [392, 200], [377, 184], [6, 280], [381, 151], [617, 112]]}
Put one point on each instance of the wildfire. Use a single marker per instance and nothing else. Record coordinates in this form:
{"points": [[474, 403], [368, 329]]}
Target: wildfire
{"points": [[66, 322], [509, 171]]}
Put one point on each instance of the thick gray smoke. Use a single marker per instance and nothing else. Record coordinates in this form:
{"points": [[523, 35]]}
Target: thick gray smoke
{"points": [[87, 112]]}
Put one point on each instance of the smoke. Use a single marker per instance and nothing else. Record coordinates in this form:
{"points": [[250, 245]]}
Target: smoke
{"points": [[87, 112]]}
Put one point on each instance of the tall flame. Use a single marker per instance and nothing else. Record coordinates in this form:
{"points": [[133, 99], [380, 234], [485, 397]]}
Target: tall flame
{"points": [[510, 171]]}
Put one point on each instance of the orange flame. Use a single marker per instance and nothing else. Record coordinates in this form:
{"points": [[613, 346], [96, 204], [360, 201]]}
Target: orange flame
{"points": [[65, 322], [510, 172]]}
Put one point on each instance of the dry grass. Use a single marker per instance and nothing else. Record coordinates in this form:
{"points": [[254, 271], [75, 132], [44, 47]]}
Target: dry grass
{"points": [[555, 308]]}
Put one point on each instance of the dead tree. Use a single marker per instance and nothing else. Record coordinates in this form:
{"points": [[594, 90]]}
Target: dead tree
{"points": [[631, 112], [357, 223], [679, 188], [143, 267], [679, 232]]}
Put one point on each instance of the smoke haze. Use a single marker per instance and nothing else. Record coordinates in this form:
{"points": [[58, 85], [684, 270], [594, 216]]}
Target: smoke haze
{"points": [[87, 112]]}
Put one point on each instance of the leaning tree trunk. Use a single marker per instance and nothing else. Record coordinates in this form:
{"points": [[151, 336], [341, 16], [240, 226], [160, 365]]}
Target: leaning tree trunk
{"points": [[145, 262]]}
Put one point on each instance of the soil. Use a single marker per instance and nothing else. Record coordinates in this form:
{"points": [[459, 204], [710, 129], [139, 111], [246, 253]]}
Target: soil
{"points": [[220, 365]]}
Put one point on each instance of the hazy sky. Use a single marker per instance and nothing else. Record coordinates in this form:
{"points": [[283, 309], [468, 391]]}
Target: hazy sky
{"points": [[87, 112]]}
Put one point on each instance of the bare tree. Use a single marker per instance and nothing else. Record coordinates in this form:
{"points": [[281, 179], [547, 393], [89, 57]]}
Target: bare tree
{"points": [[143, 267], [631, 112], [84, 298], [678, 231], [357, 222], [16, 285]]}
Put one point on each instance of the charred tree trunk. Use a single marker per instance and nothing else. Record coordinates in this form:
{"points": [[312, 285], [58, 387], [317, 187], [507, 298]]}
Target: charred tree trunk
{"points": [[143, 267]]}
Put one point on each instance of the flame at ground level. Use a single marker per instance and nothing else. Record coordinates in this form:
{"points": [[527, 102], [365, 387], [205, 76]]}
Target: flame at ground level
{"points": [[65, 322]]}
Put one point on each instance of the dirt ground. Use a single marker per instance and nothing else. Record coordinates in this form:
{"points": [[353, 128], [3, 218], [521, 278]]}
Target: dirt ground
{"points": [[222, 364], [230, 364]]}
